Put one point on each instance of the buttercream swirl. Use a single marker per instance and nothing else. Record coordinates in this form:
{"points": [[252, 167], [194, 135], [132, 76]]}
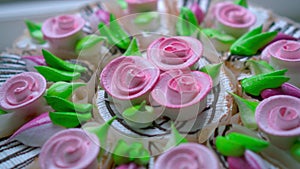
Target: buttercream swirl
{"points": [[175, 52], [72, 148], [188, 156], [129, 77], [234, 17], [22, 90]]}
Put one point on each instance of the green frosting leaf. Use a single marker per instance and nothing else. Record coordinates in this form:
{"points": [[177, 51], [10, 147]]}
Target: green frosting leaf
{"points": [[246, 111], [251, 42], [216, 34], [2, 112], [242, 3], [55, 62], [114, 33], [187, 22], [63, 89], [250, 143], [69, 119], [63, 105], [55, 75], [229, 147], [213, 70], [88, 42], [259, 67], [145, 17], [101, 131], [125, 153], [35, 31], [256, 84], [133, 49], [176, 138], [295, 151], [122, 3], [234, 144]]}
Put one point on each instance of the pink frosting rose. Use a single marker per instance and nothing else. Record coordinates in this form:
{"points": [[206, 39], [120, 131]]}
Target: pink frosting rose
{"points": [[182, 94], [233, 19], [284, 54], [129, 166], [177, 52], [137, 6], [188, 156], [23, 93], [129, 79], [279, 117], [62, 32], [71, 148], [250, 160]]}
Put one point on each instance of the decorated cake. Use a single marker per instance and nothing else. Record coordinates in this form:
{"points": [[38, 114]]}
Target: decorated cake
{"points": [[153, 84]]}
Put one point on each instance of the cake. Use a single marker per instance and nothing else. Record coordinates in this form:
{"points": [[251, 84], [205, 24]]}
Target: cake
{"points": [[138, 84]]}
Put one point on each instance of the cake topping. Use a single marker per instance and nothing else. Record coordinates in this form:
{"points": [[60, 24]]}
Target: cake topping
{"points": [[284, 89], [22, 90], [35, 31], [279, 115], [250, 160], [129, 166], [62, 26], [286, 50], [63, 89], [129, 77], [88, 42], [69, 149], [187, 23], [137, 6], [259, 67], [187, 155], [242, 3], [195, 8], [175, 52], [133, 49]]}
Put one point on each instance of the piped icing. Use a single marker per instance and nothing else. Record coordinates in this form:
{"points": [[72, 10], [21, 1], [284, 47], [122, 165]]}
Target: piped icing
{"points": [[279, 117], [187, 24], [137, 6], [284, 89], [23, 93], [35, 31], [182, 93], [129, 78], [195, 8], [129, 166], [72, 148], [177, 52], [187, 155], [233, 19], [284, 54], [250, 160]]}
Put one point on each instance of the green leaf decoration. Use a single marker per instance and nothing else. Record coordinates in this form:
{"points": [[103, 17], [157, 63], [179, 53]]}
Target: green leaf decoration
{"points": [[213, 70], [228, 147], [295, 151], [88, 42], [133, 49], [114, 33], [251, 42], [55, 62], [35, 31], [122, 3], [234, 144], [63, 105], [125, 153], [145, 18], [259, 67], [176, 138], [216, 34], [242, 3], [102, 131], [187, 22], [69, 119], [246, 111], [2, 112], [63, 89], [256, 84], [250, 143], [55, 75]]}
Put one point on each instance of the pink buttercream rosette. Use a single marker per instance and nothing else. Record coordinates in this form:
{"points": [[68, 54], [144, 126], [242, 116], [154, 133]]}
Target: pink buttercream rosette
{"points": [[279, 117], [233, 19], [128, 80], [22, 97], [188, 156], [284, 54], [181, 94], [72, 148], [63, 32], [177, 52]]}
